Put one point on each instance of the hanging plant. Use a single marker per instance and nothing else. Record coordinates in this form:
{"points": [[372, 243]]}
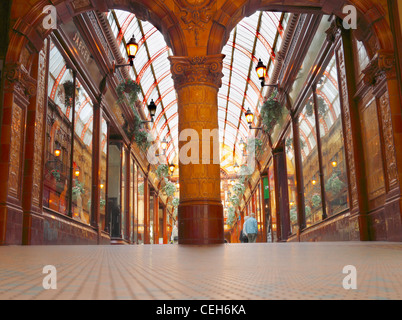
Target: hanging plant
{"points": [[162, 171], [271, 113], [231, 216], [136, 133], [238, 188], [289, 144], [175, 202], [307, 210], [316, 200], [254, 145], [169, 189], [245, 173], [234, 200], [78, 189], [334, 184], [322, 107], [68, 87], [56, 174], [129, 87]]}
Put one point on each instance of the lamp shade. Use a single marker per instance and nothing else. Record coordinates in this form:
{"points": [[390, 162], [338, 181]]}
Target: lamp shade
{"points": [[261, 70], [132, 48], [164, 144], [152, 108], [236, 168], [171, 168], [249, 117]]}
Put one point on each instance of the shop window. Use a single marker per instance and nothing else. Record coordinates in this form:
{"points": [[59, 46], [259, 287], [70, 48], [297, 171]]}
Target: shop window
{"points": [[141, 207], [291, 178], [332, 141], [310, 163], [68, 173], [114, 189], [136, 206], [124, 234], [103, 174], [273, 222]]}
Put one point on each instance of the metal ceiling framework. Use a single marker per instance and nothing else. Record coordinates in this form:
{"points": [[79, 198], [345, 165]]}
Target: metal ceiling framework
{"points": [[255, 37]]}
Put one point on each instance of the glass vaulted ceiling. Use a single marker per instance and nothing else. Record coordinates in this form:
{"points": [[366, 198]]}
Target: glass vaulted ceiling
{"points": [[255, 37]]}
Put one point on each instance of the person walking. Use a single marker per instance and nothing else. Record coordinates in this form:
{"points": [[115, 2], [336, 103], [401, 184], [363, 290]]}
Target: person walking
{"points": [[175, 234], [243, 234], [251, 228]]}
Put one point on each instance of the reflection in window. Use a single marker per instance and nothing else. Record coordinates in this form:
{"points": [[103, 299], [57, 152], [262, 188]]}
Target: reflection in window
{"points": [[58, 181], [271, 180], [333, 153], [103, 177], [310, 164], [291, 177], [124, 195], [114, 197], [141, 203], [82, 157], [136, 206]]}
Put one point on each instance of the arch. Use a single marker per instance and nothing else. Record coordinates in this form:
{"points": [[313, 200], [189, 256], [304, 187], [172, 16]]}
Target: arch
{"points": [[371, 17]]}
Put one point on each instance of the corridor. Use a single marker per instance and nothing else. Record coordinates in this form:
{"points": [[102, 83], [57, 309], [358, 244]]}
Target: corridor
{"points": [[276, 271]]}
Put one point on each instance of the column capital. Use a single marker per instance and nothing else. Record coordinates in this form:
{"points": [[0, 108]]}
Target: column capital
{"points": [[206, 70], [381, 66], [18, 78]]}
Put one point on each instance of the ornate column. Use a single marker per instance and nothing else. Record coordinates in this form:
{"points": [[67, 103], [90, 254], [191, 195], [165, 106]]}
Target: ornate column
{"points": [[34, 154], [19, 88], [200, 213]]}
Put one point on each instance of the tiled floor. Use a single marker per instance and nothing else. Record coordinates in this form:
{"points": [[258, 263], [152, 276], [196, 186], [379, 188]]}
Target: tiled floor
{"points": [[223, 272]]}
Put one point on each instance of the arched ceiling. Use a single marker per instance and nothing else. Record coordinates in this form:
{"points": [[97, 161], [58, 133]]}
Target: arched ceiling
{"points": [[258, 36]]}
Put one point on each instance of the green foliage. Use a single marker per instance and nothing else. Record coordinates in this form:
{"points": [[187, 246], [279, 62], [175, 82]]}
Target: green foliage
{"points": [[175, 202], [316, 200], [334, 184], [271, 113], [169, 189], [162, 171], [56, 174], [254, 145], [129, 87], [322, 107], [234, 200], [238, 188]]}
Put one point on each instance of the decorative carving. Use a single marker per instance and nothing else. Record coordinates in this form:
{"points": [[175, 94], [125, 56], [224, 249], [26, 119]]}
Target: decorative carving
{"points": [[17, 76], [348, 128], [39, 122], [15, 152], [195, 15], [392, 170], [203, 70], [380, 67], [333, 31]]}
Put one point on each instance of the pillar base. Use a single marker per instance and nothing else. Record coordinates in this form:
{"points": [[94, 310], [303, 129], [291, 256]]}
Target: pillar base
{"points": [[201, 224]]}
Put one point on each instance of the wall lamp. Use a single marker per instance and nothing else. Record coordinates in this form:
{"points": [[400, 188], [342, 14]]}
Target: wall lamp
{"points": [[261, 70], [164, 145], [152, 111], [250, 119], [172, 167], [132, 49]]}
